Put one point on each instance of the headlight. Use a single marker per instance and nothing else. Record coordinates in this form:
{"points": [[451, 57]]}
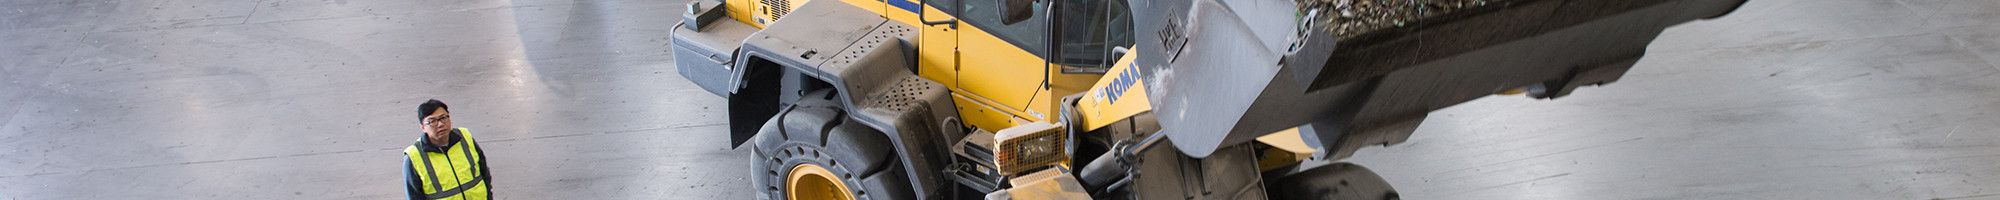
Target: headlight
{"points": [[1029, 146]]}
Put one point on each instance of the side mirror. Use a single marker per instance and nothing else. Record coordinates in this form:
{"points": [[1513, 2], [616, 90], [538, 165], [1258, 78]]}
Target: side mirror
{"points": [[1015, 11]]}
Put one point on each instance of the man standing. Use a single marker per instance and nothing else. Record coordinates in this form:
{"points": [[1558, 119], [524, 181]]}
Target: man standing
{"points": [[445, 163]]}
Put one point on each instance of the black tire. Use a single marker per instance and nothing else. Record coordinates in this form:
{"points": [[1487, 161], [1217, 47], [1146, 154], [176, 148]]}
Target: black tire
{"points": [[816, 131], [1341, 181]]}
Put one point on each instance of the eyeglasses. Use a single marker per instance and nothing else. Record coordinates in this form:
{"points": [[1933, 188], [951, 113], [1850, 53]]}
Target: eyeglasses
{"points": [[434, 120]]}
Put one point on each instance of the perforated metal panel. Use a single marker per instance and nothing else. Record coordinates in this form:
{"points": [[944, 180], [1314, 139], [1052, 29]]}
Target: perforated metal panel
{"points": [[903, 96]]}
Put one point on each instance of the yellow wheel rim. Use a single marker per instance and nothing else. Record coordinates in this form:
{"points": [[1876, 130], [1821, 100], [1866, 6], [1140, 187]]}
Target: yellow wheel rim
{"points": [[810, 181]]}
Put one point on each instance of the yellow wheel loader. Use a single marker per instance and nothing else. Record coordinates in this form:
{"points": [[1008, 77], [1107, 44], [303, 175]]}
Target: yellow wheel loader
{"points": [[1127, 99]]}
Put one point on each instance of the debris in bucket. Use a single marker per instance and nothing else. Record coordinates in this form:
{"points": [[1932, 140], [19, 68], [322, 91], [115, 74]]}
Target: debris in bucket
{"points": [[1354, 17]]}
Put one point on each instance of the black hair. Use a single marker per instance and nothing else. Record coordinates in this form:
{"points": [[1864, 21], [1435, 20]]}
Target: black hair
{"points": [[429, 107]]}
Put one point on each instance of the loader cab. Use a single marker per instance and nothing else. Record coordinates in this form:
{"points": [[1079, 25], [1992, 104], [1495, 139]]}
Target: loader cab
{"points": [[1004, 74]]}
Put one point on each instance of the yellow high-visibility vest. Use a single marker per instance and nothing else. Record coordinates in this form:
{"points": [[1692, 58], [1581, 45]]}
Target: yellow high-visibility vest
{"points": [[453, 174]]}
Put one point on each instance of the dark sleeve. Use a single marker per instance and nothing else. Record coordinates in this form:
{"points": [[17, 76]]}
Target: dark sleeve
{"points": [[483, 171], [410, 181]]}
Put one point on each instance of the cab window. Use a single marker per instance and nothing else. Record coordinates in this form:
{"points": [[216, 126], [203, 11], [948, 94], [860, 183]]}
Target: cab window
{"points": [[1087, 32], [1028, 35]]}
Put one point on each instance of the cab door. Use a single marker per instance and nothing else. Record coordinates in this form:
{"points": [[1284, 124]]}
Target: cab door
{"points": [[937, 43], [1000, 71]]}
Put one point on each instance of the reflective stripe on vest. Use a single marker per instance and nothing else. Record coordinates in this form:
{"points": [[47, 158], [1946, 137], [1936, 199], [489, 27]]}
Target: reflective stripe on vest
{"points": [[461, 176]]}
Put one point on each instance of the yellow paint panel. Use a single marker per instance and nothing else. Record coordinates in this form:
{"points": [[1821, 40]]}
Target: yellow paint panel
{"points": [[937, 50], [997, 70], [1005, 77], [1062, 85], [979, 115], [1040, 107], [898, 14], [740, 10], [1066, 84]]}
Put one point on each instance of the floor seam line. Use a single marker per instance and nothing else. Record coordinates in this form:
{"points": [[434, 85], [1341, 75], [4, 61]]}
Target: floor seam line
{"points": [[253, 12], [1954, 40]]}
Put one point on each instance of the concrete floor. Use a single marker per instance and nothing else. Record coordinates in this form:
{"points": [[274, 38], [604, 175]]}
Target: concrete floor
{"points": [[313, 99]]}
